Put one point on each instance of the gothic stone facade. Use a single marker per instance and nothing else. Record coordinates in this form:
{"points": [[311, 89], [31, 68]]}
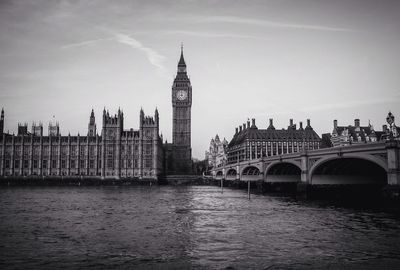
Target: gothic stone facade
{"points": [[117, 153], [216, 155], [179, 153]]}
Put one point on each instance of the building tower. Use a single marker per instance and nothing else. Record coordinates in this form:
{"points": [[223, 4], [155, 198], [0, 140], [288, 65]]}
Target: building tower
{"points": [[2, 122], [181, 126], [111, 143], [92, 125]]}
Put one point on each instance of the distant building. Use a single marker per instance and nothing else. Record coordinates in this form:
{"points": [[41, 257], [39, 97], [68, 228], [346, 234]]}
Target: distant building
{"points": [[250, 142], [216, 155], [117, 153], [356, 134]]}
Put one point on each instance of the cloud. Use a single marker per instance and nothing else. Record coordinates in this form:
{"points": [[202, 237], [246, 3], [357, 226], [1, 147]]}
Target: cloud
{"points": [[153, 56], [84, 43], [265, 23]]}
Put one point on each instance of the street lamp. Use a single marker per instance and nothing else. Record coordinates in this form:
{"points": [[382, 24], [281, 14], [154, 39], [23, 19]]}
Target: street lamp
{"points": [[390, 121]]}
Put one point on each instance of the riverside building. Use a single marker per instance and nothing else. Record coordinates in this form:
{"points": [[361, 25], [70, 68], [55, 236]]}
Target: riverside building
{"points": [[216, 154], [116, 153], [250, 142]]}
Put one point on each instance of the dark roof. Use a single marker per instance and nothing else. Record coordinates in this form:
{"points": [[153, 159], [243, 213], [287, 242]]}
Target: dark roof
{"points": [[364, 131], [182, 60], [273, 134]]}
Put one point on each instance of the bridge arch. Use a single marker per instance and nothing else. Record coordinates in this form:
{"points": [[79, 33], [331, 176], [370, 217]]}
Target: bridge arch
{"points": [[231, 174], [251, 173], [250, 170], [283, 171], [349, 169]]}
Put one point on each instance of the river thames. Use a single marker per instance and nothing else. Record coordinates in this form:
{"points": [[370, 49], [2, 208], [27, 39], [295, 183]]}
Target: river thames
{"points": [[188, 227]]}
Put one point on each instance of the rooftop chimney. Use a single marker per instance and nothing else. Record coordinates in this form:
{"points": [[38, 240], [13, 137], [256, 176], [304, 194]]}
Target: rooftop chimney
{"points": [[335, 124], [357, 122], [240, 128], [291, 122], [301, 125], [248, 123], [384, 128], [236, 130], [244, 126], [308, 123], [271, 124], [253, 123]]}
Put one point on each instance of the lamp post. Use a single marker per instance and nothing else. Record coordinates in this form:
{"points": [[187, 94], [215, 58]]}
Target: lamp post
{"points": [[390, 121]]}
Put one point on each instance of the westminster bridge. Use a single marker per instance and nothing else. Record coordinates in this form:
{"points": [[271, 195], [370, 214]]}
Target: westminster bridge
{"points": [[369, 163]]}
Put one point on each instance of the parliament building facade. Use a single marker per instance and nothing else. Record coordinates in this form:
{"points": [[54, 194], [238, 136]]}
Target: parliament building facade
{"points": [[117, 153]]}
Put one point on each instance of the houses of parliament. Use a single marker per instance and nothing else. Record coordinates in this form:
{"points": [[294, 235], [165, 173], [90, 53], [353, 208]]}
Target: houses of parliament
{"points": [[116, 153]]}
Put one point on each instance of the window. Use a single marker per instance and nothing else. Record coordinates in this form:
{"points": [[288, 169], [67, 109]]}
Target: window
{"points": [[110, 163], [36, 150], [129, 163], [63, 163], [26, 164], [91, 150], [73, 165], [7, 164], [16, 164], [64, 150], [91, 164], [82, 163], [148, 163], [73, 150], [35, 164], [54, 163], [44, 165]]}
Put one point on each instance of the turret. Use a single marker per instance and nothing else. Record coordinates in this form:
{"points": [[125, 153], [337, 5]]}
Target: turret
{"points": [[22, 129], [92, 125], [156, 117], [2, 122], [141, 117], [37, 130]]}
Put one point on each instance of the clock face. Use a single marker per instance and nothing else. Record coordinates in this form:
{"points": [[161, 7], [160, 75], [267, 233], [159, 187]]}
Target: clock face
{"points": [[181, 95]]}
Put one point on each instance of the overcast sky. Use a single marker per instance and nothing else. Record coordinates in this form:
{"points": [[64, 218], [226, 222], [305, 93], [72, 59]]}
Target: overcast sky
{"points": [[278, 59]]}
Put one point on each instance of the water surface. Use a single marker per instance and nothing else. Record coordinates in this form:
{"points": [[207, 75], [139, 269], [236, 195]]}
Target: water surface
{"points": [[163, 227]]}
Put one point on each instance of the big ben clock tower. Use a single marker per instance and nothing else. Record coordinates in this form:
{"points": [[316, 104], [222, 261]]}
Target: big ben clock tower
{"points": [[181, 126]]}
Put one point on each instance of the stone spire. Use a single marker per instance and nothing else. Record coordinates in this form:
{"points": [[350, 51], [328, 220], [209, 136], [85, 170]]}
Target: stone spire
{"points": [[181, 63]]}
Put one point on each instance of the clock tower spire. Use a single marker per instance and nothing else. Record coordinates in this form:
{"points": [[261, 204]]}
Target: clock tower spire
{"points": [[181, 126]]}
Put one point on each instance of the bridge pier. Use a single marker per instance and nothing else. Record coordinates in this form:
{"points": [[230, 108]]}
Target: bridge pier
{"points": [[303, 187], [392, 190]]}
